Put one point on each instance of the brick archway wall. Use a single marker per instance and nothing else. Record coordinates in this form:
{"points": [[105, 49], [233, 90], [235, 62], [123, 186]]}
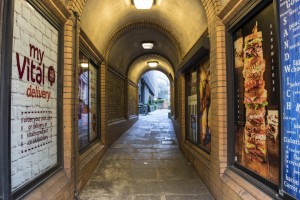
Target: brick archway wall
{"points": [[211, 167], [221, 181]]}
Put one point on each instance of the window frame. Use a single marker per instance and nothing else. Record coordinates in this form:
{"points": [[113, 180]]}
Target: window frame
{"points": [[195, 67], [92, 63], [247, 13], [5, 100]]}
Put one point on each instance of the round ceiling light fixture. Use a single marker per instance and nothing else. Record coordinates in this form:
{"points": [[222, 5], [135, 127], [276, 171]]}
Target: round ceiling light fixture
{"points": [[148, 45], [84, 65], [143, 4], [152, 63]]}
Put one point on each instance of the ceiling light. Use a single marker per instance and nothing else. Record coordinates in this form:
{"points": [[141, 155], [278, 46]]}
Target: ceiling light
{"points": [[147, 45], [84, 65], [152, 63], [143, 4]]}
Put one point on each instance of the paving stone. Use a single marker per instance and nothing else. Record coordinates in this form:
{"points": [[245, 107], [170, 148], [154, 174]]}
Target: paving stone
{"points": [[138, 166]]}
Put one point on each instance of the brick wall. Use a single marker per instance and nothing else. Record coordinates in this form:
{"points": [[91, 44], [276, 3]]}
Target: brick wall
{"points": [[223, 183], [115, 96], [213, 168], [76, 5], [132, 100]]}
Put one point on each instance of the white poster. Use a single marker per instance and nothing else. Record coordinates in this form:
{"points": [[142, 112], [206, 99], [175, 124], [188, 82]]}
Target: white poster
{"points": [[33, 95]]}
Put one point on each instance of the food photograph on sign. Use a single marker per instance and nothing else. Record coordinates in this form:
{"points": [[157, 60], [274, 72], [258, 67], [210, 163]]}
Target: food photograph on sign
{"points": [[33, 96], [205, 110], [257, 138]]}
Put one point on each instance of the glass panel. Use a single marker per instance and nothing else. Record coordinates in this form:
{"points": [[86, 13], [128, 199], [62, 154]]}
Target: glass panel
{"points": [[93, 102], [257, 138], [192, 108], [83, 98], [33, 96], [205, 111]]}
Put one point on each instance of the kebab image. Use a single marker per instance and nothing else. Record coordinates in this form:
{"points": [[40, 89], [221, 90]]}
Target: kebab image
{"points": [[255, 96]]}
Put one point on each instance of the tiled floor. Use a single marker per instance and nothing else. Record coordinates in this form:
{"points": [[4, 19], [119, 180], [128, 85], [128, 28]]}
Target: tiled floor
{"points": [[146, 164]]}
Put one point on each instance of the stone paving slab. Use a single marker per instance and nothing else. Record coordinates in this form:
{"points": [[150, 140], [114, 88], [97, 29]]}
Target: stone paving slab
{"points": [[146, 164]]}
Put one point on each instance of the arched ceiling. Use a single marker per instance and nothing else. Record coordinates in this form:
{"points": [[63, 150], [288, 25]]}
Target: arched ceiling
{"points": [[117, 29], [139, 67]]}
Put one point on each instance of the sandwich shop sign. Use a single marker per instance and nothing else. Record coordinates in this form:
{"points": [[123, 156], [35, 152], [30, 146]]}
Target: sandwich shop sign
{"points": [[33, 95], [289, 13]]}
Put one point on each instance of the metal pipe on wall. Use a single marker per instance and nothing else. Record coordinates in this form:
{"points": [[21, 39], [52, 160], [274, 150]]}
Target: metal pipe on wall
{"points": [[75, 54], [6, 12]]}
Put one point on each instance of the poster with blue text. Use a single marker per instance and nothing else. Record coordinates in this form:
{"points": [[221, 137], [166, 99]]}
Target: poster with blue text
{"points": [[289, 12]]}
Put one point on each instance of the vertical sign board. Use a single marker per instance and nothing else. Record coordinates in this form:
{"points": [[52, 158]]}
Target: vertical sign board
{"points": [[289, 12], [33, 95]]}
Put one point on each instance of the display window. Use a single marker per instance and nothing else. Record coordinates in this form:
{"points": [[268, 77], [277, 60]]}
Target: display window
{"points": [[87, 102], [198, 106], [257, 138], [35, 88], [289, 18]]}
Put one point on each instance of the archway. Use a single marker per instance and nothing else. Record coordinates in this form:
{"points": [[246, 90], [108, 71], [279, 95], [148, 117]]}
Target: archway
{"points": [[137, 69]]}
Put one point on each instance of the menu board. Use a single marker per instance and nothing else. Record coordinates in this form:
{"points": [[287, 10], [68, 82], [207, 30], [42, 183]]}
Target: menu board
{"points": [[290, 70], [33, 95], [257, 138]]}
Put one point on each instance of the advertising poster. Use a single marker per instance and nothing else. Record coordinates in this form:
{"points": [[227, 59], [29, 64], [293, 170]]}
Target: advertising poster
{"points": [[33, 95], [205, 111], [289, 13], [192, 114], [257, 138]]}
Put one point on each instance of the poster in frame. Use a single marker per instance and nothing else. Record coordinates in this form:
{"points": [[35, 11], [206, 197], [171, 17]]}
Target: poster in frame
{"points": [[36, 83], [256, 97]]}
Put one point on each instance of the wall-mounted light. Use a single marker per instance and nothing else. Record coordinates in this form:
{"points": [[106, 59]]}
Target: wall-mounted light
{"points": [[152, 63], [84, 65], [143, 4], [148, 45]]}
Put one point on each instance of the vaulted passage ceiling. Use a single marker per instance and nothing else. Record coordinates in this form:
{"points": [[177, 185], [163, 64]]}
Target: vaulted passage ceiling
{"points": [[117, 29]]}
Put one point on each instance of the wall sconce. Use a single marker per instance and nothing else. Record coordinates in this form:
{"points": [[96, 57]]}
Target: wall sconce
{"points": [[143, 4]]}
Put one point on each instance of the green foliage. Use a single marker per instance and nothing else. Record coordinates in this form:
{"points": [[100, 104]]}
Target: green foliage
{"points": [[159, 101]]}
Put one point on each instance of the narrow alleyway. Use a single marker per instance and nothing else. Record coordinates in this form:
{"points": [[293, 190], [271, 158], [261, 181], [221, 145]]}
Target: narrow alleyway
{"points": [[146, 164]]}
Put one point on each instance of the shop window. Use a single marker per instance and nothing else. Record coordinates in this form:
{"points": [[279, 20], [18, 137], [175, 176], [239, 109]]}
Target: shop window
{"points": [[198, 106], [35, 117], [256, 97], [290, 96], [87, 102]]}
